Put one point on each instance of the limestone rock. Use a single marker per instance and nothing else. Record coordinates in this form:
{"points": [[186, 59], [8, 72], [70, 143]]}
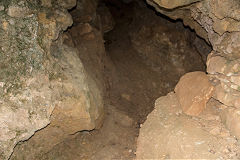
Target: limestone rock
{"points": [[223, 65], [218, 23], [231, 118], [216, 64], [77, 78], [26, 100], [227, 95], [16, 11], [193, 91], [80, 107], [174, 3], [68, 4], [169, 134], [31, 82]]}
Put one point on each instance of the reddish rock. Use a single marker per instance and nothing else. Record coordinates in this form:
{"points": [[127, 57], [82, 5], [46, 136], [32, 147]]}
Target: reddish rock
{"points": [[193, 92]]}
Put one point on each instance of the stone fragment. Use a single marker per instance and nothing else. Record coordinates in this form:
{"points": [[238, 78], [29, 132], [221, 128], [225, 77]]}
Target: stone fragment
{"points": [[16, 11], [227, 95], [235, 79], [222, 65], [68, 4], [193, 92], [231, 118], [46, 3], [1, 8], [216, 64], [226, 25], [82, 107]]}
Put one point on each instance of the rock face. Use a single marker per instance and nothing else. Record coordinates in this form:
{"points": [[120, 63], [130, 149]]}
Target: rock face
{"points": [[218, 22], [193, 91], [41, 77], [170, 50], [79, 108], [169, 134], [231, 118], [174, 3]]}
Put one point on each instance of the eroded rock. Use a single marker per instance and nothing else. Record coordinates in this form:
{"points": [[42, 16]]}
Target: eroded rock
{"points": [[33, 82], [174, 3], [193, 91], [80, 107], [169, 134], [231, 118], [218, 23], [167, 49]]}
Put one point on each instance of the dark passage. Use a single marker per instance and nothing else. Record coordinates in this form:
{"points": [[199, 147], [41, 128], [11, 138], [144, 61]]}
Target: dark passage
{"points": [[149, 53], [146, 54]]}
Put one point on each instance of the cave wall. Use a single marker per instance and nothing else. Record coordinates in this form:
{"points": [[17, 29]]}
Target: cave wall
{"points": [[169, 47], [186, 123], [218, 22], [43, 81]]}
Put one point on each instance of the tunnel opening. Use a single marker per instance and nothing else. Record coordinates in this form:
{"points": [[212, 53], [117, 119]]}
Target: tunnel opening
{"points": [[136, 55], [150, 52]]}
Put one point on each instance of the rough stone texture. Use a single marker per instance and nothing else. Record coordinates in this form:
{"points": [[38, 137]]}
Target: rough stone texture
{"points": [[231, 118], [68, 4], [169, 134], [217, 21], [171, 50], [34, 84], [26, 100], [193, 91], [174, 3], [80, 107]]}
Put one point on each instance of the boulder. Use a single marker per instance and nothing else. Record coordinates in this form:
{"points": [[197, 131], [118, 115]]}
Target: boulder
{"points": [[193, 91]]}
